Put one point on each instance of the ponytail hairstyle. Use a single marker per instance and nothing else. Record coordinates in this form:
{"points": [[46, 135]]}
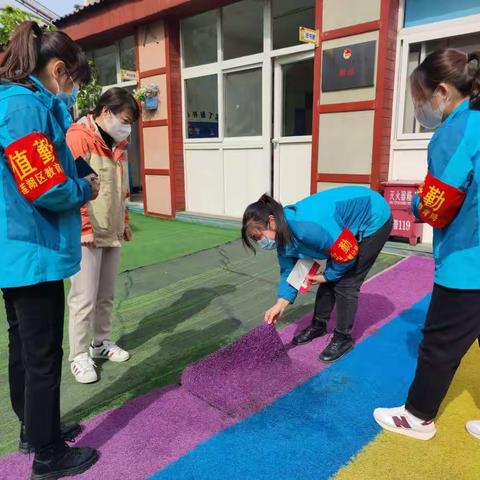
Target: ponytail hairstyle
{"points": [[257, 217], [30, 49], [474, 64], [451, 66], [117, 100]]}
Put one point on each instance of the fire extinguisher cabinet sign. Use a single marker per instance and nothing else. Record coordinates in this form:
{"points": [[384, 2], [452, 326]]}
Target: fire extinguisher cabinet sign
{"points": [[399, 195]]}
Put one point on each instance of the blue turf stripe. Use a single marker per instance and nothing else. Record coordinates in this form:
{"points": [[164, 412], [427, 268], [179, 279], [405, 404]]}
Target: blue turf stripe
{"points": [[314, 430]]}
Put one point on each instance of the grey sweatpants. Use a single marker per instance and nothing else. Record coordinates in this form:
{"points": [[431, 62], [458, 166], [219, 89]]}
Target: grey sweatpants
{"points": [[91, 298]]}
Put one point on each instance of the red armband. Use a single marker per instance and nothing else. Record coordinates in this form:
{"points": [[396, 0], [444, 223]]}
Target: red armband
{"points": [[345, 248], [35, 165], [439, 202]]}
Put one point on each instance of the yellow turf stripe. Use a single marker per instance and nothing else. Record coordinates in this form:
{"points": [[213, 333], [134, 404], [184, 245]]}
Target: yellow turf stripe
{"points": [[451, 455]]}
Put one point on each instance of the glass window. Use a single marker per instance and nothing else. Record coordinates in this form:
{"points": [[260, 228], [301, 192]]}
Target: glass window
{"points": [[202, 107], [127, 54], [409, 122], [243, 103], [297, 98], [242, 27], [467, 43], [105, 60], [287, 17], [199, 39]]}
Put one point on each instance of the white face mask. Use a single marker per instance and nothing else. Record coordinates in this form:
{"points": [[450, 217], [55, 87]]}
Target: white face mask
{"points": [[427, 116], [116, 129]]}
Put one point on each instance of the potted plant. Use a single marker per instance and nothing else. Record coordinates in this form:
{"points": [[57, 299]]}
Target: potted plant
{"points": [[148, 94]]}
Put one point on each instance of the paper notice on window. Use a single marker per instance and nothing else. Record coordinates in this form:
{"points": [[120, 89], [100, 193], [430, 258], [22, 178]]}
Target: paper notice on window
{"points": [[298, 277]]}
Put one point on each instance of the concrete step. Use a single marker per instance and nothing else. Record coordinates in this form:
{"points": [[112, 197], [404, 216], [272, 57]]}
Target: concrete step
{"points": [[212, 220]]}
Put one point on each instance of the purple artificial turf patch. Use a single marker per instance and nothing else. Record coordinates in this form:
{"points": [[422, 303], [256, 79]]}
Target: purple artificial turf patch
{"points": [[242, 378]]}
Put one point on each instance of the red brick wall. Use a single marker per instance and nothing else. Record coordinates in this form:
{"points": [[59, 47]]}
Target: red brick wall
{"points": [[175, 94], [382, 105], [383, 121]]}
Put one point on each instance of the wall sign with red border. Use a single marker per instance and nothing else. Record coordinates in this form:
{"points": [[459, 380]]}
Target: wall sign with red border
{"points": [[351, 66]]}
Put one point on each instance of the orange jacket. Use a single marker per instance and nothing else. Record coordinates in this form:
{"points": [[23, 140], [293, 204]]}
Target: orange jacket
{"points": [[105, 217]]}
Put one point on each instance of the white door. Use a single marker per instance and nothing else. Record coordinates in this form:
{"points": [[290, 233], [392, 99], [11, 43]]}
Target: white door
{"points": [[292, 127]]}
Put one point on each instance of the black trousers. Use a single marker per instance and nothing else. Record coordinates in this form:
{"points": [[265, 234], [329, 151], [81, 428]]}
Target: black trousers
{"points": [[344, 293], [35, 332], [451, 327]]}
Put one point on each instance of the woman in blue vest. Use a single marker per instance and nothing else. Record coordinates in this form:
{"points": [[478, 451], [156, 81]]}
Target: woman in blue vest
{"points": [[347, 226], [40, 200], [446, 93]]}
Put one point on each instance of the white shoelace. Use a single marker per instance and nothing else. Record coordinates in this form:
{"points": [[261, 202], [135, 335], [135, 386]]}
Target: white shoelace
{"points": [[85, 362], [112, 347]]}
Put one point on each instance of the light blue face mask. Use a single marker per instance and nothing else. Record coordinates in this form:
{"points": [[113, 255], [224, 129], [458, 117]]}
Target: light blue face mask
{"points": [[266, 243], [69, 98]]}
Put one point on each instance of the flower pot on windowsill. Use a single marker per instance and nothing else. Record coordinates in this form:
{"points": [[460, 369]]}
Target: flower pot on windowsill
{"points": [[151, 103]]}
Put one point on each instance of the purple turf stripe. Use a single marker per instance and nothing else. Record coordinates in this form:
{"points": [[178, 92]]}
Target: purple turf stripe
{"points": [[140, 437], [152, 431], [382, 299], [242, 378]]}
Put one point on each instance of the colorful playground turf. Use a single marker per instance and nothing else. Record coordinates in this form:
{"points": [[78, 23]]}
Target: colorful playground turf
{"points": [[169, 314], [321, 428]]}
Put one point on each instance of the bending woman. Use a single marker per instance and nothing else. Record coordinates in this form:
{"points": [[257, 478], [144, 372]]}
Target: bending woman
{"points": [[347, 226]]}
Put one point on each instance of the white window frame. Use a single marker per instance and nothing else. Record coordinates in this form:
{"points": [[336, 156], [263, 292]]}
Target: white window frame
{"points": [[261, 60], [420, 34], [278, 136]]}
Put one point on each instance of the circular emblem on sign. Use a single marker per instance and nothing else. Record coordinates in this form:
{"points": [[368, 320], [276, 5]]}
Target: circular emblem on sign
{"points": [[347, 53]]}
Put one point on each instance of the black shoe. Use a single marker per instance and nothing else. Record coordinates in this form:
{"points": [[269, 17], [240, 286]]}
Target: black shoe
{"points": [[307, 335], [68, 433], [339, 345], [62, 461]]}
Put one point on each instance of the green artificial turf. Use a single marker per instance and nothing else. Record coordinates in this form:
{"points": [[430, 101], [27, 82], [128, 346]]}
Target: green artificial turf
{"points": [[156, 240]]}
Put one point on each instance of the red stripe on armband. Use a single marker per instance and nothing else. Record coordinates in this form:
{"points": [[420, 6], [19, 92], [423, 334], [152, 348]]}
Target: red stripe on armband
{"points": [[345, 248], [439, 202], [35, 165]]}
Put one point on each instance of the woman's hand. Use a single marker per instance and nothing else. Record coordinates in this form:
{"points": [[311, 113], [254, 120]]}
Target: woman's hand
{"points": [[127, 234], [88, 240], [272, 315], [95, 184], [317, 279]]}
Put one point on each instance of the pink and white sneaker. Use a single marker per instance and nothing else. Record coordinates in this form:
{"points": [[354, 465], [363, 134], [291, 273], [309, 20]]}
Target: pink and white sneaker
{"points": [[399, 420]]}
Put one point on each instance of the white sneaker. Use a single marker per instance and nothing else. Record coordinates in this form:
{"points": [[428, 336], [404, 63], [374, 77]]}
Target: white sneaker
{"points": [[473, 428], [399, 420], [109, 351], [83, 369]]}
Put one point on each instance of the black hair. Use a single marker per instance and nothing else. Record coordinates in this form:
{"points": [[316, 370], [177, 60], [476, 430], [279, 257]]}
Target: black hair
{"points": [[257, 215], [117, 100], [30, 49], [451, 66]]}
